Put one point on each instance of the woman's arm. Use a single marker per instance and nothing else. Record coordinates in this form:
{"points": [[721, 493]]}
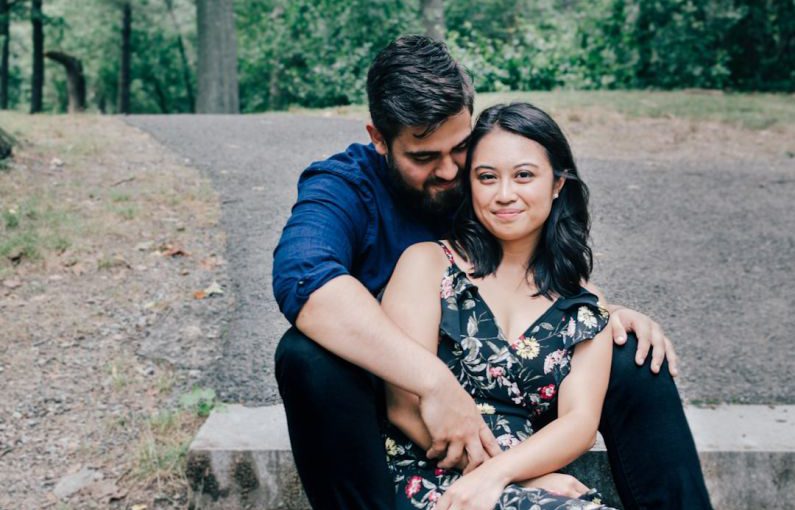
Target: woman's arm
{"points": [[411, 300], [573, 433], [580, 401]]}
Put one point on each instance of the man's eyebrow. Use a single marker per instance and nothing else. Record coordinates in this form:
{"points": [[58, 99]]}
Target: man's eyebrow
{"points": [[422, 154], [436, 153]]}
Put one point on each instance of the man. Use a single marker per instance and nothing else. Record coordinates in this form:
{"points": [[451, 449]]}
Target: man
{"points": [[356, 212]]}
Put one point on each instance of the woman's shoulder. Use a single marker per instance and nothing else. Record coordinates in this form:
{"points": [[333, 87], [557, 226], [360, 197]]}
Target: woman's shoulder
{"points": [[425, 255]]}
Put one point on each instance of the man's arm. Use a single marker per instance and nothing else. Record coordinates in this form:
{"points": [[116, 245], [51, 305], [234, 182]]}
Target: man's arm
{"points": [[316, 292], [345, 319]]}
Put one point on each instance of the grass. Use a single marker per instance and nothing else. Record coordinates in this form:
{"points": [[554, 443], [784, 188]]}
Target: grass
{"points": [[754, 111], [163, 447], [166, 435], [751, 111], [35, 226]]}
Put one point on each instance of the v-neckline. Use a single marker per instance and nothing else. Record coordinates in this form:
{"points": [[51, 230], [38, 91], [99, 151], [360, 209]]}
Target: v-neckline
{"points": [[500, 331]]}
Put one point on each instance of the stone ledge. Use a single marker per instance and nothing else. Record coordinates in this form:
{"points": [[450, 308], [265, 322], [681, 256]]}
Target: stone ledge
{"points": [[241, 459]]}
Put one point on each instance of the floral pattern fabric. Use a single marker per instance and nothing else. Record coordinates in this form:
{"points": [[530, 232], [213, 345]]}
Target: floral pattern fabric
{"points": [[513, 381]]}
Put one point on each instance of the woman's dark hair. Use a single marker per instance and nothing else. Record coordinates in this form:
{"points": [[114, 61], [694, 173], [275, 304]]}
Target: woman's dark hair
{"points": [[415, 82], [562, 259]]}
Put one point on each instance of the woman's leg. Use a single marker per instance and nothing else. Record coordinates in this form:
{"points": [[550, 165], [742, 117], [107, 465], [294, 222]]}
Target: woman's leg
{"points": [[333, 412], [651, 450]]}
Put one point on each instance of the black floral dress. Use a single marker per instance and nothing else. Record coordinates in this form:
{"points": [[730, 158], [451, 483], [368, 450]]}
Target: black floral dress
{"points": [[514, 383]]}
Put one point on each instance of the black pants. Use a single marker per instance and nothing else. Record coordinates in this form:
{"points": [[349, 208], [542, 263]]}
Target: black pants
{"points": [[334, 411]]}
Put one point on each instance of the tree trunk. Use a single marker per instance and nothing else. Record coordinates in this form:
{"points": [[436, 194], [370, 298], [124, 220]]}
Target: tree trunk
{"points": [[6, 144], [217, 74], [5, 35], [37, 79], [275, 101], [75, 79], [123, 99], [433, 18], [183, 57]]}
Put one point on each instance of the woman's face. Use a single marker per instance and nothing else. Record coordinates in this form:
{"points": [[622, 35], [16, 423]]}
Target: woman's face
{"points": [[512, 185]]}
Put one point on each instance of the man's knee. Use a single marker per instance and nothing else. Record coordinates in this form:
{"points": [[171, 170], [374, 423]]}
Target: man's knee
{"points": [[630, 380], [298, 358], [308, 371]]}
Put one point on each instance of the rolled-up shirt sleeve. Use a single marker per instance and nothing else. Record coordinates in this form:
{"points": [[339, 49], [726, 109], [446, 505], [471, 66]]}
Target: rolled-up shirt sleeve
{"points": [[327, 225]]}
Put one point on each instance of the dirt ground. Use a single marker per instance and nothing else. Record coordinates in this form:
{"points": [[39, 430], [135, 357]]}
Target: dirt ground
{"points": [[114, 296], [111, 305]]}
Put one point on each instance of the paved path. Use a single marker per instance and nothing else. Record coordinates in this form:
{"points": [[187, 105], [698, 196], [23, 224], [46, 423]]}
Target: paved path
{"points": [[706, 248]]}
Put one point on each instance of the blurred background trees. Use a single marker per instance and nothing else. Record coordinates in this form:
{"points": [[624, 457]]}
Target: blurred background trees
{"points": [[170, 56]]}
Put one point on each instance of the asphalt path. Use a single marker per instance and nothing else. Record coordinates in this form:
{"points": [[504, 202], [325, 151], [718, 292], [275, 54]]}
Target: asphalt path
{"points": [[705, 247]]}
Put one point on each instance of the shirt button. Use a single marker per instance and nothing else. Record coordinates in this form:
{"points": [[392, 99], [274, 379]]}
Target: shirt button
{"points": [[300, 282]]}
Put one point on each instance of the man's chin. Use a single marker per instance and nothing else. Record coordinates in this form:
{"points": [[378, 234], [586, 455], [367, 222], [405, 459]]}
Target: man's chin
{"points": [[443, 201]]}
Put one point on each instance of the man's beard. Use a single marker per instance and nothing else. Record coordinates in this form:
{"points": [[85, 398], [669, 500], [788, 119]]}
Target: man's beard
{"points": [[422, 202]]}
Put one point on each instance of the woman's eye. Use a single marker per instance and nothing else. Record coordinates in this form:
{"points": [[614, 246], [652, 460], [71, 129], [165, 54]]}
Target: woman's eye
{"points": [[524, 174], [486, 177]]}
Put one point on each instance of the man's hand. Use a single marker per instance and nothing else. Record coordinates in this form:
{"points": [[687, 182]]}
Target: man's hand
{"points": [[457, 429], [650, 336]]}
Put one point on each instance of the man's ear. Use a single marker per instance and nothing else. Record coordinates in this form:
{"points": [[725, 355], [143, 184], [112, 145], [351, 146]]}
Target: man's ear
{"points": [[378, 140]]}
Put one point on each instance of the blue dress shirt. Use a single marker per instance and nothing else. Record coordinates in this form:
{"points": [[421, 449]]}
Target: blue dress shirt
{"points": [[346, 221]]}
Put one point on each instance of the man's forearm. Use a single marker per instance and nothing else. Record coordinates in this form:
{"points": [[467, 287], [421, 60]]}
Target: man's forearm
{"points": [[344, 318]]}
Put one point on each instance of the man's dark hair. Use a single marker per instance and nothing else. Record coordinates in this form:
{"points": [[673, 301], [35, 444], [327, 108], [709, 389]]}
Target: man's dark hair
{"points": [[415, 82], [562, 259]]}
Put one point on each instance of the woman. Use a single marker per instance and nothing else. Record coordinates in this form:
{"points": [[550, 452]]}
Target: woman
{"points": [[518, 252]]}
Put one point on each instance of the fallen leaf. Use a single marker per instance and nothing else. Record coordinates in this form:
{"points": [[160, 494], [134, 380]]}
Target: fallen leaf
{"points": [[114, 262], [11, 283], [214, 289], [106, 490], [15, 255], [170, 250], [138, 507]]}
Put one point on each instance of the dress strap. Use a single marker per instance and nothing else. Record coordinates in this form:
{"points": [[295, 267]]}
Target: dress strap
{"points": [[447, 253]]}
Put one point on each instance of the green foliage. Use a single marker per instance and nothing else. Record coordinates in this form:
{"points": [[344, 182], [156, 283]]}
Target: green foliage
{"points": [[200, 401], [91, 31], [315, 53], [623, 43]]}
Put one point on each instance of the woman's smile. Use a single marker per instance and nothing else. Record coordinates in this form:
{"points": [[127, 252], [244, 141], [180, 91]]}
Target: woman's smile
{"points": [[507, 214]]}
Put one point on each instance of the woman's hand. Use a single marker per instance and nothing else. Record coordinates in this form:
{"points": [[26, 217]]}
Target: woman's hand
{"points": [[478, 490], [558, 483], [650, 336]]}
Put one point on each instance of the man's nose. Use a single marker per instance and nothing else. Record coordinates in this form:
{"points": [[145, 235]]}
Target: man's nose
{"points": [[448, 170]]}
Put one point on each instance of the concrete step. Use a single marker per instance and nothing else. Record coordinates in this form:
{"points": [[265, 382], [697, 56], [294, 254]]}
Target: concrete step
{"points": [[241, 459]]}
